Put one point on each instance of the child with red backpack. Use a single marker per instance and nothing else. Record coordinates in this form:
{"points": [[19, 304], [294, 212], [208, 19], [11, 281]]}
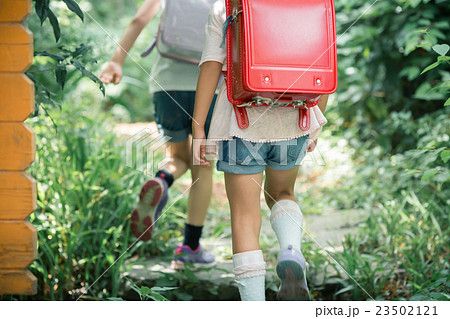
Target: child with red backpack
{"points": [[271, 142]]}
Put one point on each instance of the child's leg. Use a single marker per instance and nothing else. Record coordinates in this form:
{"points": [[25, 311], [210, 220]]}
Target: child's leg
{"points": [[178, 163], [153, 195], [287, 221], [244, 198], [286, 217], [200, 193], [198, 202]]}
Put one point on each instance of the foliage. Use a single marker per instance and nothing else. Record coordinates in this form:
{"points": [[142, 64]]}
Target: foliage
{"points": [[401, 250], [382, 50], [44, 11], [145, 293], [85, 197], [65, 62]]}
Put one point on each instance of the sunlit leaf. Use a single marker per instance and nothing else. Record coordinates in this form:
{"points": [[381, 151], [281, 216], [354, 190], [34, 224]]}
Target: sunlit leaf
{"points": [[74, 7]]}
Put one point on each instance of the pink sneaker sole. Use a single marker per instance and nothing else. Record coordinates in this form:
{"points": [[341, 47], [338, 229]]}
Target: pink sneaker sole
{"points": [[142, 218]]}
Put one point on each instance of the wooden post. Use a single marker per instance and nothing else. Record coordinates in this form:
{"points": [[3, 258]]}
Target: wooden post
{"points": [[18, 240]]}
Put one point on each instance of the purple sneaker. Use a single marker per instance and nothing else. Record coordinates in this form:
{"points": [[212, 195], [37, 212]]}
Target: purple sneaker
{"points": [[291, 267], [198, 258], [152, 199]]}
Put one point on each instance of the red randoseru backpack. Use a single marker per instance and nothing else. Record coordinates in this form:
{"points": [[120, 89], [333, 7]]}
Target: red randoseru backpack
{"points": [[280, 53]]}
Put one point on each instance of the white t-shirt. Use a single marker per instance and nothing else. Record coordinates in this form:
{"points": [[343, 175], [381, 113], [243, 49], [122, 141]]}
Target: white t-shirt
{"points": [[275, 124], [172, 75]]}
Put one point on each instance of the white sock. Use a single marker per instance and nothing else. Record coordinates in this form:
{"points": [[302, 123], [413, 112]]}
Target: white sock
{"points": [[287, 222], [250, 272]]}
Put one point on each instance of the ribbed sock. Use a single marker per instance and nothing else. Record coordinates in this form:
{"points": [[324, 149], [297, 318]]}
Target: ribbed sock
{"points": [[287, 222], [192, 235], [250, 272], [167, 176]]}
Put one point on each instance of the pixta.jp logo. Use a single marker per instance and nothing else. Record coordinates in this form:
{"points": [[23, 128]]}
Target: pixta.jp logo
{"points": [[144, 149]]}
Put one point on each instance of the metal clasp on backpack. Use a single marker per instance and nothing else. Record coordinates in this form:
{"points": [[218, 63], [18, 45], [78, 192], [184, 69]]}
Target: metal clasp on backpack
{"points": [[299, 104], [259, 101]]}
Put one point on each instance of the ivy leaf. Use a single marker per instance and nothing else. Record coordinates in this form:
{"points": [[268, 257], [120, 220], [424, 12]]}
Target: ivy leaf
{"points": [[61, 73], [441, 49], [77, 64], [74, 7], [41, 7], [55, 24]]}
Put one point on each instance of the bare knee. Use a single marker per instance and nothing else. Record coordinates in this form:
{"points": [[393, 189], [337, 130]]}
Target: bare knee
{"points": [[275, 196]]}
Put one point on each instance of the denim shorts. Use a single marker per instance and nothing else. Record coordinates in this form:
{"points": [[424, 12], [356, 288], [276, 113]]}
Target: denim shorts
{"points": [[238, 156], [175, 121]]}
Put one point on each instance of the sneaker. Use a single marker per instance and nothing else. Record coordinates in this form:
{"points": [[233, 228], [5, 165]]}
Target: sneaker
{"points": [[291, 267], [152, 199], [198, 258]]}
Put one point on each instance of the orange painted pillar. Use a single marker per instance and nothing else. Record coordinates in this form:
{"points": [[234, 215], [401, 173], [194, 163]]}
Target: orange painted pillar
{"points": [[18, 240]]}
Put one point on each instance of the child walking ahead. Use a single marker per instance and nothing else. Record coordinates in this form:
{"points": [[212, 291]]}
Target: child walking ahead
{"points": [[274, 144], [173, 88]]}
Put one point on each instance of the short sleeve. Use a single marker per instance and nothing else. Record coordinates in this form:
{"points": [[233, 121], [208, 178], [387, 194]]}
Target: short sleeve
{"points": [[213, 35]]}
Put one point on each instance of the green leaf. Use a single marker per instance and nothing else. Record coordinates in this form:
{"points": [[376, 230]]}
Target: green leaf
{"points": [[61, 73], [441, 49], [115, 299], [88, 74], [145, 290], [447, 103], [57, 57], [424, 45], [428, 174], [41, 7], [74, 7], [80, 50], [430, 67], [154, 289], [55, 24], [157, 297], [445, 156]]}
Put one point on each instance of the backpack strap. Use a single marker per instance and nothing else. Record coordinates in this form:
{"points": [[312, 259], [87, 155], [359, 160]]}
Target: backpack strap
{"points": [[241, 117], [304, 118]]}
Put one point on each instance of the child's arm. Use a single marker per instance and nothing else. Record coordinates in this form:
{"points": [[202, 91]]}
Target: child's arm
{"points": [[323, 99], [113, 70], [206, 87]]}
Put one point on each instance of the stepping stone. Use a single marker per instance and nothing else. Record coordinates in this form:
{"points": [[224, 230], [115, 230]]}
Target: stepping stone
{"points": [[328, 230]]}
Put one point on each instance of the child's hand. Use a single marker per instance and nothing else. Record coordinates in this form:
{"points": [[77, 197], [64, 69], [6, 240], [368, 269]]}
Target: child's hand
{"points": [[199, 148], [112, 73], [312, 146]]}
